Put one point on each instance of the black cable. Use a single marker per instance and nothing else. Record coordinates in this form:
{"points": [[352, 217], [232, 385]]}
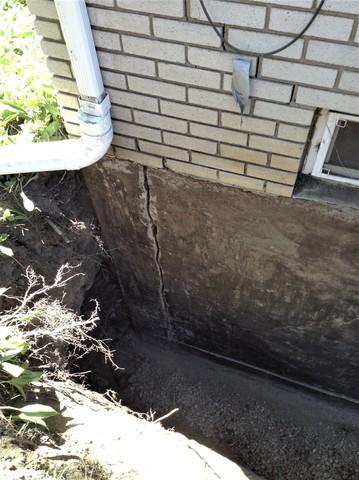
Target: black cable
{"points": [[264, 54]]}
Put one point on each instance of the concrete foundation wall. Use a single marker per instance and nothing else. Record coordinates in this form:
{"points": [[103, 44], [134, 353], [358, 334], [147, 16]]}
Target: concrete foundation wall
{"points": [[271, 282]]}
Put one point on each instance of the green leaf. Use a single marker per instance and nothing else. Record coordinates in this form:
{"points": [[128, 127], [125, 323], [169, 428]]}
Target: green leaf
{"points": [[28, 204], [30, 419], [38, 410], [27, 377], [6, 251], [12, 369], [11, 348]]}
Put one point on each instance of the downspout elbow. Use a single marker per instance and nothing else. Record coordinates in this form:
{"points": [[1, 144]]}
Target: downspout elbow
{"points": [[96, 137]]}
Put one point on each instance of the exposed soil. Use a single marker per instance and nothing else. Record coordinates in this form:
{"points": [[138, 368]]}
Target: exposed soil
{"points": [[278, 432], [62, 229]]}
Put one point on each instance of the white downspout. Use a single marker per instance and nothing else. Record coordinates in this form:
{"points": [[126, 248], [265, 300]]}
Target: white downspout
{"points": [[94, 112]]}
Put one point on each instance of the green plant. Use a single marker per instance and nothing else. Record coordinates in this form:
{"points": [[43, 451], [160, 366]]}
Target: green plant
{"points": [[14, 372], [42, 332], [16, 183], [3, 249], [28, 107], [9, 215]]}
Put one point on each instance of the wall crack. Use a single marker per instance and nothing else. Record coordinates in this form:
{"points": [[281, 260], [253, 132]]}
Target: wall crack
{"points": [[153, 232]]}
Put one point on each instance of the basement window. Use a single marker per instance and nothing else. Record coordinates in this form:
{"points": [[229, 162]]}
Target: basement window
{"points": [[337, 159]]}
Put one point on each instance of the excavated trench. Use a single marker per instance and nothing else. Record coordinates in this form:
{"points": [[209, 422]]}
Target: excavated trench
{"points": [[277, 430]]}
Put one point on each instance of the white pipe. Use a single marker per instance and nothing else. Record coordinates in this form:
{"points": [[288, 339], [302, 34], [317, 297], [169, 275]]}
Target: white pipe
{"points": [[77, 33], [94, 114]]}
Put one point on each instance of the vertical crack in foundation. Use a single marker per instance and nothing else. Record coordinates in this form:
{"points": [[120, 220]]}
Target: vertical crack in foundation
{"points": [[153, 233]]}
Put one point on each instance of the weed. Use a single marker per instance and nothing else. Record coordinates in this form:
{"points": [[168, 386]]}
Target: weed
{"points": [[28, 107], [42, 332]]}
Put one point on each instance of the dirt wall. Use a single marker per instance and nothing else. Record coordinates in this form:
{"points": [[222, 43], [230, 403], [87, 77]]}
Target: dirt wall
{"points": [[269, 281]]}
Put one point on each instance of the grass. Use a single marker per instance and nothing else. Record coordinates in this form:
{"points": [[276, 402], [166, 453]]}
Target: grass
{"points": [[29, 111]]}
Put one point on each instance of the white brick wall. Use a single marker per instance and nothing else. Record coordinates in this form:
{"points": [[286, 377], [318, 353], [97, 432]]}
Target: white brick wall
{"points": [[189, 76], [164, 151], [283, 113], [153, 49], [172, 8], [185, 32], [324, 26], [299, 73], [231, 13], [333, 53], [189, 112], [119, 20], [154, 87], [349, 81], [263, 42], [169, 79]]}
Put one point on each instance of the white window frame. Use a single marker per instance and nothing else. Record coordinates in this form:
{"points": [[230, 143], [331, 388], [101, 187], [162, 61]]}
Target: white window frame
{"points": [[328, 128]]}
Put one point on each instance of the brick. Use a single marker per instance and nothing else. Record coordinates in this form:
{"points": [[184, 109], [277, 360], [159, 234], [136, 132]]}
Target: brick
{"points": [[279, 92], [130, 130], [189, 76], [164, 151], [230, 13], [188, 112], [69, 101], [70, 116], [191, 143], [349, 81], [299, 73], [271, 174], [264, 42], [125, 63], [220, 101], [133, 100], [145, 47], [329, 100], [43, 8], [154, 87], [290, 132], [115, 20], [219, 134], [283, 112], [65, 85], [333, 53], [173, 8], [73, 130], [285, 163], [104, 3], [281, 190], [249, 124], [344, 6], [125, 142], [356, 38], [121, 113], [221, 61], [138, 157], [290, 3], [193, 170], [108, 40], [59, 68], [185, 32], [324, 26], [241, 181], [48, 29], [112, 79], [218, 163], [243, 154], [161, 121], [276, 146], [56, 50]]}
